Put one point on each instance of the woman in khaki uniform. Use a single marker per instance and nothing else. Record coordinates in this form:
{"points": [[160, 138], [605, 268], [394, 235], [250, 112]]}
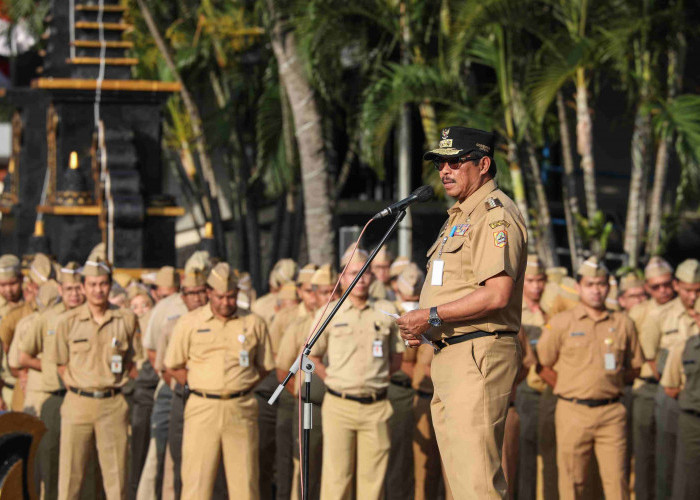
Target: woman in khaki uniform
{"points": [[220, 353], [595, 352]]}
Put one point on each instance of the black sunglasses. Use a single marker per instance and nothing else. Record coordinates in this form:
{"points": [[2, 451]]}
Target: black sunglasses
{"points": [[454, 163]]}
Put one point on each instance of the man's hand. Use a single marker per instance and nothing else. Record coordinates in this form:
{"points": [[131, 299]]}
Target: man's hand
{"points": [[3, 406], [412, 325]]}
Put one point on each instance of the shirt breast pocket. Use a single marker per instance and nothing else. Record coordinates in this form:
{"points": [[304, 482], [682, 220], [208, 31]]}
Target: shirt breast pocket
{"points": [[202, 336], [452, 256], [576, 351]]}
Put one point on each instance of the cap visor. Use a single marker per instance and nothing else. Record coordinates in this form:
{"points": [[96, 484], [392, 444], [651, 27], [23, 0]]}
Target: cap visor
{"points": [[443, 153]]}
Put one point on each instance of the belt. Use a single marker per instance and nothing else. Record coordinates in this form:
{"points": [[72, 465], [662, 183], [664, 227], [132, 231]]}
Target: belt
{"points": [[365, 400], [691, 412], [58, 392], [232, 395], [406, 384], [439, 345], [592, 403], [96, 394], [649, 380], [7, 384], [425, 395]]}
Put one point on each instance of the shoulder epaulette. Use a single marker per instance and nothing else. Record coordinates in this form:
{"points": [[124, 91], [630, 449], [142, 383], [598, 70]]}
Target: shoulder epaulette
{"points": [[492, 203]]}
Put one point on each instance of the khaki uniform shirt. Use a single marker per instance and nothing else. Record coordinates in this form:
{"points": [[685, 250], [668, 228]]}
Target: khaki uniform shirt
{"points": [[664, 327], [212, 351], [683, 371], [168, 308], [646, 320], [87, 348], [532, 323], [359, 344], [163, 342], [575, 345], [282, 321], [477, 242], [379, 291], [24, 326], [265, 307], [40, 340], [292, 342], [8, 324]]}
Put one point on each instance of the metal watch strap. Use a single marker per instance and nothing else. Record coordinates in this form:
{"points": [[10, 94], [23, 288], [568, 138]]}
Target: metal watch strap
{"points": [[433, 318]]}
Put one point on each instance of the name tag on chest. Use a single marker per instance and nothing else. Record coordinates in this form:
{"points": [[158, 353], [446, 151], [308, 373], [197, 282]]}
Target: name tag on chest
{"points": [[116, 364], [377, 349], [244, 359], [609, 361], [438, 269]]}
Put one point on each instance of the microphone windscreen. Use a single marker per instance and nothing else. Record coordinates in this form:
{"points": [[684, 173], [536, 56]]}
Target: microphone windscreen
{"points": [[423, 193]]}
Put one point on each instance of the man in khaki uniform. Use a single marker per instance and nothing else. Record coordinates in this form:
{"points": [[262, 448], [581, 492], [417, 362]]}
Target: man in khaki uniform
{"points": [[472, 299], [658, 283], [11, 292], [94, 352], [399, 476], [527, 400], [284, 271], [167, 282], [663, 330], [220, 354], [35, 346], [40, 271], [395, 269], [284, 440], [322, 284], [363, 348], [380, 269], [681, 380], [595, 352]]}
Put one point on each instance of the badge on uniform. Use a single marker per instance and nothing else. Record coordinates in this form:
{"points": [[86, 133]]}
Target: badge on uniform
{"points": [[436, 276], [500, 238], [377, 349], [609, 360], [244, 359], [116, 364], [461, 229]]}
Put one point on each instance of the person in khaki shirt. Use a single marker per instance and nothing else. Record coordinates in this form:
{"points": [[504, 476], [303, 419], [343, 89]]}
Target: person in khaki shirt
{"points": [[362, 348], [94, 357], [381, 271], [658, 283], [595, 352], [37, 350], [681, 381], [220, 354], [470, 307], [11, 291], [322, 284], [284, 271]]}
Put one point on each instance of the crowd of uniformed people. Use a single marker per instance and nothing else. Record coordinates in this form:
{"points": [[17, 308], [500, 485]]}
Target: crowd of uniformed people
{"points": [[156, 386]]}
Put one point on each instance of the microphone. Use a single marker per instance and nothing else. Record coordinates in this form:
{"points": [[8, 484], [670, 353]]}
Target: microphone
{"points": [[423, 193]]}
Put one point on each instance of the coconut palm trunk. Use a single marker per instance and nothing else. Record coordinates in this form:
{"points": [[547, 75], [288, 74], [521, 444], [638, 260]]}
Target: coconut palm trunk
{"points": [[309, 135], [584, 143], [641, 151], [569, 192], [548, 246]]}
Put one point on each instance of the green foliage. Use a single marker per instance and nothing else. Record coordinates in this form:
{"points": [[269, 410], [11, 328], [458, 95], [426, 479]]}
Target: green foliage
{"points": [[595, 233]]}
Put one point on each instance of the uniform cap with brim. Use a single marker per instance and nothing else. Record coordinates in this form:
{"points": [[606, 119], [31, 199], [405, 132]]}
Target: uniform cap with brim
{"points": [[630, 280], [97, 263], [136, 289], [592, 267], [223, 278], [305, 274], [689, 271], [167, 276], [325, 276], [398, 265], [410, 281], [383, 256], [360, 254], [534, 266], [41, 269], [47, 295], [70, 273], [196, 270], [456, 142], [10, 266], [288, 292], [284, 271], [556, 274], [656, 267]]}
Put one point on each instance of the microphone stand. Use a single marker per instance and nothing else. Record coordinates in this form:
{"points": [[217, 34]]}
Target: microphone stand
{"points": [[308, 367]]}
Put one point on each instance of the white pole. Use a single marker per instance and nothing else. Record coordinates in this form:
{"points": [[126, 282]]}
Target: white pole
{"points": [[406, 225]]}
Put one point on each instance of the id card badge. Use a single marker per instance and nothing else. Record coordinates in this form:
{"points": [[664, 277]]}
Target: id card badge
{"points": [[244, 359], [377, 349], [609, 360], [438, 268], [116, 364]]}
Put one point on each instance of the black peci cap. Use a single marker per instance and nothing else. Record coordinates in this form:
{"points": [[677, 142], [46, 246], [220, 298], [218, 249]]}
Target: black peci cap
{"points": [[457, 142]]}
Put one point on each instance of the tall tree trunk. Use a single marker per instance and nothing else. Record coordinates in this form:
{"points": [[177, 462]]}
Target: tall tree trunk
{"points": [[641, 151], [570, 197], [516, 177], [584, 143], [548, 244], [307, 122]]}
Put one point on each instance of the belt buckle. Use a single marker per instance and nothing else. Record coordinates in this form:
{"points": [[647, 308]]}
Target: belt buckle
{"points": [[225, 397], [438, 345], [99, 394]]}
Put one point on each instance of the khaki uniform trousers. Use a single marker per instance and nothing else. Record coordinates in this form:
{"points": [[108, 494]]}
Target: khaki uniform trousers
{"points": [[527, 402], [473, 381], [356, 446], [213, 428], [582, 430], [511, 450], [33, 401], [644, 436], [427, 468], [82, 420]]}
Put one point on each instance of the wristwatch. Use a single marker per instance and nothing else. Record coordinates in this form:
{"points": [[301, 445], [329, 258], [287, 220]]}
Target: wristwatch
{"points": [[434, 319]]}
